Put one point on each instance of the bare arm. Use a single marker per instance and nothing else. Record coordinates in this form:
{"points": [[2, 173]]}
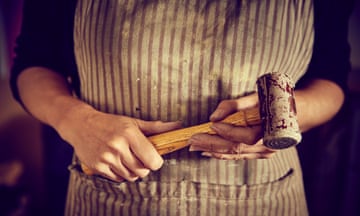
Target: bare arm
{"points": [[111, 145], [45, 93], [317, 103]]}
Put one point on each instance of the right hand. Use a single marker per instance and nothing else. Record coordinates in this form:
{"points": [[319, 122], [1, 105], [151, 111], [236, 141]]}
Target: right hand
{"points": [[232, 142], [113, 146]]}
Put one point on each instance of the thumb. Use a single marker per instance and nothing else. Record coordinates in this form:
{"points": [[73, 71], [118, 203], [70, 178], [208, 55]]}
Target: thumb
{"points": [[225, 108], [156, 127]]}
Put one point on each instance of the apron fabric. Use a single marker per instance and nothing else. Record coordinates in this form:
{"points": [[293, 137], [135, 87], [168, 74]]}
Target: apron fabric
{"points": [[176, 60]]}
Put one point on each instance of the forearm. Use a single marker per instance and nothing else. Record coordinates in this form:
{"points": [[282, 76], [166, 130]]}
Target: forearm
{"points": [[113, 146], [46, 95], [317, 103]]}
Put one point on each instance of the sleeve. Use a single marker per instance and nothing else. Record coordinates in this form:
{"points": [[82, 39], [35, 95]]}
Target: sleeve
{"points": [[331, 53], [45, 40]]}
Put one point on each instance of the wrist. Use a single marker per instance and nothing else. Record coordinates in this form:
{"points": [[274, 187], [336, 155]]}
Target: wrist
{"points": [[70, 112]]}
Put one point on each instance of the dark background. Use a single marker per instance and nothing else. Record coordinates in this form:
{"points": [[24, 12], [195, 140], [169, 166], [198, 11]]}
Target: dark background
{"points": [[328, 153]]}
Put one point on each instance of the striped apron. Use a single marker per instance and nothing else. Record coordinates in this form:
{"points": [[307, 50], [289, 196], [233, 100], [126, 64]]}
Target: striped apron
{"points": [[176, 60]]}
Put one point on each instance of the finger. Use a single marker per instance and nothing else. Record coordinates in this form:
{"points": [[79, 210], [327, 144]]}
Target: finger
{"points": [[248, 135], [105, 171], [113, 161], [258, 147], [124, 172], [242, 148], [156, 127], [224, 109], [129, 160], [141, 147], [227, 107], [246, 156], [211, 143]]}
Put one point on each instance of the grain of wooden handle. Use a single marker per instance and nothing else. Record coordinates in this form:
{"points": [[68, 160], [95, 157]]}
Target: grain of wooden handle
{"points": [[172, 141]]}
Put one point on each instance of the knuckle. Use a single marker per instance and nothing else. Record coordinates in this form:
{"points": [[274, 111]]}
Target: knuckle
{"points": [[98, 167], [128, 131], [114, 141]]}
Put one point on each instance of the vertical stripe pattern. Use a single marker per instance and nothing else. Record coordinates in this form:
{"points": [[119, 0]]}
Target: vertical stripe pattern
{"points": [[175, 60]]}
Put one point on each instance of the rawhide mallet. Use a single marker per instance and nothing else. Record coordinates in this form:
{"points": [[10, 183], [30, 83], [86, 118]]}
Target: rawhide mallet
{"points": [[276, 113]]}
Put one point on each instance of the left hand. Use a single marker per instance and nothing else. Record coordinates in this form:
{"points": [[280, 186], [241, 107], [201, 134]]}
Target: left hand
{"points": [[232, 142]]}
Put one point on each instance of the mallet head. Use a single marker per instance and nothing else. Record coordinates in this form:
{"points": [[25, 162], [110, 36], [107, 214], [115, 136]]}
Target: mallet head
{"points": [[278, 111]]}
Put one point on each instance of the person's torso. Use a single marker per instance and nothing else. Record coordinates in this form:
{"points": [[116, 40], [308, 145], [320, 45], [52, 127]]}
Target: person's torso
{"points": [[176, 60]]}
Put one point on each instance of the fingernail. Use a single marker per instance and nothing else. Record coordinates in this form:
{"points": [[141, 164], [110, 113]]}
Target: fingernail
{"points": [[195, 145], [133, 178], [195, 148], [206, 154], [192, 148], [214, 127], [217, 127], [216, 115]]}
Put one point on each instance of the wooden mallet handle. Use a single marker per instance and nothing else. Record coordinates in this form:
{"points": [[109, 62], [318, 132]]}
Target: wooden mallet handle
{"points": [[174, 140]]}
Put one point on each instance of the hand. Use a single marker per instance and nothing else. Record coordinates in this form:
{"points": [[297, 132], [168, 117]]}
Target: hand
{"points": [[114, 146], [230, 142]]}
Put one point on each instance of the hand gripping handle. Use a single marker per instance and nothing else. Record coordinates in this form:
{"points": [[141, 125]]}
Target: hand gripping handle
{"points": [[174, 140]]}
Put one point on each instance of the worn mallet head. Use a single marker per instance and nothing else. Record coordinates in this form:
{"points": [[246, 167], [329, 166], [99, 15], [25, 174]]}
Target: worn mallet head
{"points": [[278, 111]]}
